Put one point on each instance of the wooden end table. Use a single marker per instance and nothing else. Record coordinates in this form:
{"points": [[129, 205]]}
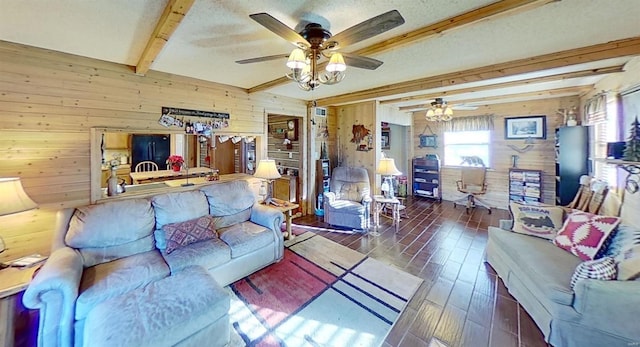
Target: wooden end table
{"points": [[12, 281], [287, 208], [380, 202]]}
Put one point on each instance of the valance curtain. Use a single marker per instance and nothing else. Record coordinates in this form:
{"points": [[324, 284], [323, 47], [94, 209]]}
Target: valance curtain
{"points": [[472, 123]]}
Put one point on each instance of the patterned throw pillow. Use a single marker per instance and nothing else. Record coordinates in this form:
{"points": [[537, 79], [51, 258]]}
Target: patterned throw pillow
{"points": [[599, 269], [536, 219], [583, 233], [628, 262], [188, 232], [624, 237]]}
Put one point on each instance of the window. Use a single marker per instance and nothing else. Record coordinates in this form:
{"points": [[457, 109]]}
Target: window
{"points": [[463, 148], [603, 120]]}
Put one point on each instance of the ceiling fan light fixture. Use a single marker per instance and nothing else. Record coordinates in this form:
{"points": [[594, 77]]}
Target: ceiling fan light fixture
{"points": [[439, 111]]}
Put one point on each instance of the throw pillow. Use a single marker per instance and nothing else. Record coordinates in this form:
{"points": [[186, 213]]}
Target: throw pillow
{"points": [[583, 233], [628, 262], [624, 237], [599, 269], [188, 232], [536, 219]]}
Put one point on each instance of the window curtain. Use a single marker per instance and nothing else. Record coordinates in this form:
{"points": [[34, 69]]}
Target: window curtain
{"points": [[473, 123], [595, 109]]}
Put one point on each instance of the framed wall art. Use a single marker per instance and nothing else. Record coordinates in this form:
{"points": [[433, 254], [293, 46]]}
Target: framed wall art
{"points": [[534, 127]]}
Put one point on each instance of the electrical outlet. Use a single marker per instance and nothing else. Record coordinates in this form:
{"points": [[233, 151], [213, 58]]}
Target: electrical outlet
{"points": [[290, 155]]}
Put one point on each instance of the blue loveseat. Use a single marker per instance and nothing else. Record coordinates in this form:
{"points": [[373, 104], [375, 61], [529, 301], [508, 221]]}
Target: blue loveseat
{"points": [[109, 250]]}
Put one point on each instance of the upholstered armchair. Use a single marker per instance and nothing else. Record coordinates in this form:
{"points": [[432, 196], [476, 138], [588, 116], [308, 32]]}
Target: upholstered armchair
{"points": [[348, 201]]}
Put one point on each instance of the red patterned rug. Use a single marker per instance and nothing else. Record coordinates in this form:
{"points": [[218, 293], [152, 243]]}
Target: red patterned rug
{"points": [[320, 294]]}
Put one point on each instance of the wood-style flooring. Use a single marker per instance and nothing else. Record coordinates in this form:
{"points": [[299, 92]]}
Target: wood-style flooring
{"points": [[462, 302]]}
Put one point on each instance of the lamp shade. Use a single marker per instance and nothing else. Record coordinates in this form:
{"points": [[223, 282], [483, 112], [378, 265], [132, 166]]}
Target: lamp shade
{"points": [[387, 167], [14, 199], [297, 59], [267, 170]]}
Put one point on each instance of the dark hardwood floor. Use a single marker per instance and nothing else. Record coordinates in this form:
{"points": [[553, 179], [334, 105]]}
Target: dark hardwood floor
{"points": [[461, 302]]}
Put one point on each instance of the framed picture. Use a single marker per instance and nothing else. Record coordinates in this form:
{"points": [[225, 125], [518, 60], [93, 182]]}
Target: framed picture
{"points": [[534, 127], [385, 139], [428, 141]]}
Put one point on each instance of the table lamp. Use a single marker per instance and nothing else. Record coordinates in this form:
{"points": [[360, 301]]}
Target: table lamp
{"points": [[268, 171], [14, 200], [387, 168]]}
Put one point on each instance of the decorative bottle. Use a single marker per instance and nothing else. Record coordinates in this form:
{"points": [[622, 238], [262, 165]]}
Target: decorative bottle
{"points": [[112, 183]]}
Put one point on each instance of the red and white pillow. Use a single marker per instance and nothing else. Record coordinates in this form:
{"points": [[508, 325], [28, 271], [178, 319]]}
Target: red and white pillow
{"points": [[584, 233]]}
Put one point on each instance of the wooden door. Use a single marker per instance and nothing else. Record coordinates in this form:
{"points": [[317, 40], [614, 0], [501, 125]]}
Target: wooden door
{"points": [[223, 157]]}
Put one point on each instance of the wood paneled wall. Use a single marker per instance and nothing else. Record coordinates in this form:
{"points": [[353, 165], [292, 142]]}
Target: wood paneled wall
{"points": [[50, 100], [541, 157], [348, 116]]}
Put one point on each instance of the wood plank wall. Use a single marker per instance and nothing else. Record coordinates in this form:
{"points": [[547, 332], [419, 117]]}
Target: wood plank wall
{"points": [[50, 100], [541, 157]]}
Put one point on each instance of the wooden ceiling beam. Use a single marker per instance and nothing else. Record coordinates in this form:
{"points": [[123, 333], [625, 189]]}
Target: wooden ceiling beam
{"points": [[173, 14], [549, 93], [476, 15], [557, 77], [613, 49]]}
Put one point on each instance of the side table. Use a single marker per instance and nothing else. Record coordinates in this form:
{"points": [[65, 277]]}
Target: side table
{"points": [[380, 202], [286, 208], [12, 281]]}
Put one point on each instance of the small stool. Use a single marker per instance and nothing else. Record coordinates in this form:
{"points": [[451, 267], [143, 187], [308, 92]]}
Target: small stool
{"points": [[188, 308]]}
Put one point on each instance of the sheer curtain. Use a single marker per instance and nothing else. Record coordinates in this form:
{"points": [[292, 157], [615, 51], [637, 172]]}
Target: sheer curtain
{"points": [[601, 114]]}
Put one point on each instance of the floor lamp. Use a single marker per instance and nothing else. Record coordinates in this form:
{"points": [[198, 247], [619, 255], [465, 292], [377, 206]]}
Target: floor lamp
{"points": [[387, 168], [268, 171], [14, 200]]}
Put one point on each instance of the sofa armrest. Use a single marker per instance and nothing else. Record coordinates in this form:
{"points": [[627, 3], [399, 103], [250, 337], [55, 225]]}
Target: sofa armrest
{"points": [[272, 219], [330, 197], [54, 291], [609, 306], [505, 224]]}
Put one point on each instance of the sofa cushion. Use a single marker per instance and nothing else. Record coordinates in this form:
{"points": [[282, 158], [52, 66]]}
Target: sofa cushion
{"points": [[347, 206], [179, 207], [229, 198], [584, 233], [108, 280], [547, 266], [208, 254], [599, 269], [168, 312], [245, 237], [95, 227], [188, 232], [536, 220]]}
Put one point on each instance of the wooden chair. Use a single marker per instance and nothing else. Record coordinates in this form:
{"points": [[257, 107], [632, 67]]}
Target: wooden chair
{"points": [[144, 166], [472, 183], [590, 195]]}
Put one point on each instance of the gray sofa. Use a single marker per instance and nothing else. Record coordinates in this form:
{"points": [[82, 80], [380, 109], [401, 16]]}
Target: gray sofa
{"points": [[538, 274], [108, 250]]}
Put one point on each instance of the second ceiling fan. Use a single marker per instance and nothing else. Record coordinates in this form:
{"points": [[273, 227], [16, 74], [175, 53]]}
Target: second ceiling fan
{"points": [[315, 42]]}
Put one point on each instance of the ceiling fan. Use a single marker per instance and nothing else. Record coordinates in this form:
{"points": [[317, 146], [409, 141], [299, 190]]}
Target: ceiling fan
{"points": [[315, 42]]}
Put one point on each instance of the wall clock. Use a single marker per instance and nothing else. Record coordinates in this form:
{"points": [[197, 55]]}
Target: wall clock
{"points": [[292, 130], [291, 125]]}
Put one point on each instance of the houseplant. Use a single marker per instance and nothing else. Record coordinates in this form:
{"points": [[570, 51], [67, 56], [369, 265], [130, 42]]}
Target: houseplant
{"points": [[175, 161]]}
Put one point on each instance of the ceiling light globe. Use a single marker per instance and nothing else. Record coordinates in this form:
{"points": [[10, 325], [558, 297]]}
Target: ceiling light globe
{"points": [[336, 63], [297, 59]]}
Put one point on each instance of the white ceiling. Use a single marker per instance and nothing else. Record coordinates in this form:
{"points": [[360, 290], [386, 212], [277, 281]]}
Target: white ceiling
{"points": [[214, 34]]}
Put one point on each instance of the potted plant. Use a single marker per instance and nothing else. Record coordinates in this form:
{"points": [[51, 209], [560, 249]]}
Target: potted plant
{"points": [[175, 161]]}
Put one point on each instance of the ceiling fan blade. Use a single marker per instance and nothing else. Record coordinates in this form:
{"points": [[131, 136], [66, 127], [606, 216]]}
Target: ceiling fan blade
{"points": [[367, 29], [261, 59], [361, 62], [280, 29]]}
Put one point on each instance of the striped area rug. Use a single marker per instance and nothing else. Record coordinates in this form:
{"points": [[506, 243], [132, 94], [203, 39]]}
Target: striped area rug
{"points": [[320, 294]]}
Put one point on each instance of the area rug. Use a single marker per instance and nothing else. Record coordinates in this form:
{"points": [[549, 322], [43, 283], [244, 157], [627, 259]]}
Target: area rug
{"points": [[320, 294]]}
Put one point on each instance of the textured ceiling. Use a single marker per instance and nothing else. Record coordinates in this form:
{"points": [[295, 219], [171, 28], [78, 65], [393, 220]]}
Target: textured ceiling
{"points": [[214, 34]]}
